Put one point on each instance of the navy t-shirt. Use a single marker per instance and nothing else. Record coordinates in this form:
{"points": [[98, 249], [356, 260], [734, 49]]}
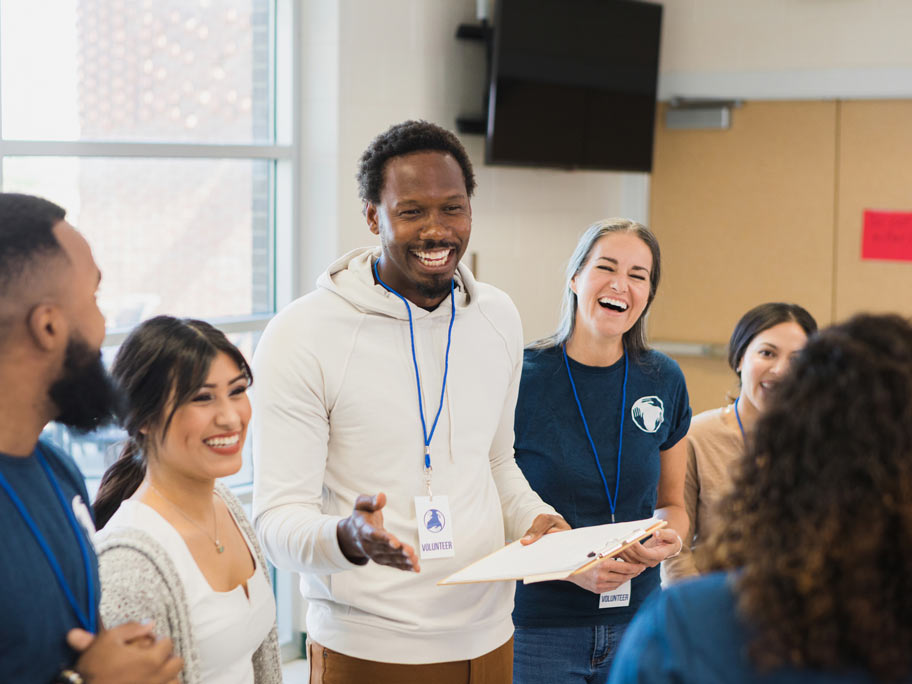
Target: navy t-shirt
{"points": [[555, 456], [36, 614], [693, 633]]}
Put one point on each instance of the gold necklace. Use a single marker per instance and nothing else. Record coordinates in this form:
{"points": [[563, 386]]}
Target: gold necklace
{"points": [[219, 547]]}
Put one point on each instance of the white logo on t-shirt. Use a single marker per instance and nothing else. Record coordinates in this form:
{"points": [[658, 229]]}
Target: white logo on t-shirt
{"points": [[81, 511], [648, 413]]}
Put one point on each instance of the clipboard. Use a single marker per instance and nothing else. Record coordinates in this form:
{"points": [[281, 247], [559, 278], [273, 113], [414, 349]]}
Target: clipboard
{"points": [[555, 556]]}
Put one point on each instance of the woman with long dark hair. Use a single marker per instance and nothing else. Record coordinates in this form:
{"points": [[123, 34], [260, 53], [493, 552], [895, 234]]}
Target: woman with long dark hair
{"points": [[815, 538], [761, 348], [175, 544], [600, 423]]}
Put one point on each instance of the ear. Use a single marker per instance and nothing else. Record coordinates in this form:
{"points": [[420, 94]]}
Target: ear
{"points": [[573, 285], [47, 327], [373, 220]]}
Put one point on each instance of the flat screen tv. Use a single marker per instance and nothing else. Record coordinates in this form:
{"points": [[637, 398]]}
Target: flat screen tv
{"points": [[573, 84]]}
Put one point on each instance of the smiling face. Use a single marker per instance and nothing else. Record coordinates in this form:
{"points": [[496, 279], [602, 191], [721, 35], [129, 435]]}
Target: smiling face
{"points": [[765, 360], [612, 287], [206, 435], [424, 220]]}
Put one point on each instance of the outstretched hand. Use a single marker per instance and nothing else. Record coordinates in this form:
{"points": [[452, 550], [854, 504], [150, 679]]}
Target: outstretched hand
{"points": [[362, 537], [543, 524], [128, 653]]}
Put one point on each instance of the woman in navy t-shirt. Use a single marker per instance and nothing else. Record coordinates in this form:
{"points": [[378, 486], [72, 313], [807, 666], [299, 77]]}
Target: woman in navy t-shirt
{"points": [[600, 423]]}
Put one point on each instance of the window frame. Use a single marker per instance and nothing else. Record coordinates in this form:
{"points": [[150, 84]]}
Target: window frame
{"points": [[284, 153]]}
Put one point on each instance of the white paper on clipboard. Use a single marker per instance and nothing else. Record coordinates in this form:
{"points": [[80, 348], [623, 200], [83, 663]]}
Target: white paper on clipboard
{"points": [[554, 556]]}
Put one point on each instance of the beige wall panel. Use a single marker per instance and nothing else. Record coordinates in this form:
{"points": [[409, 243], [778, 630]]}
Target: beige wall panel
{"points": [[875, 172], [744, 216], [709, 382]]}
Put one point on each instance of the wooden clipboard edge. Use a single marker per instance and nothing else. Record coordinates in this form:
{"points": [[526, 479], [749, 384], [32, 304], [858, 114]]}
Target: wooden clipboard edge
{"points": [[626, 545], [546, 577], [531, 579]]}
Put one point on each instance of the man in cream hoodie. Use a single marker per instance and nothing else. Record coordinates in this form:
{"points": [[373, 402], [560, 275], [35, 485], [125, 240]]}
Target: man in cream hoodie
{"points": [[384, 431]]}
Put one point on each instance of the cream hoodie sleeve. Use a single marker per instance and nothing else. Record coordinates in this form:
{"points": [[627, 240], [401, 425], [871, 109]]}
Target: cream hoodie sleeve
{"points": [[290, 437], [519, 503]]}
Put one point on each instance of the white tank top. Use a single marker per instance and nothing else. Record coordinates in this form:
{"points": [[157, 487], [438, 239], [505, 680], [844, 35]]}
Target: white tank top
{"points": [[227, 626]]}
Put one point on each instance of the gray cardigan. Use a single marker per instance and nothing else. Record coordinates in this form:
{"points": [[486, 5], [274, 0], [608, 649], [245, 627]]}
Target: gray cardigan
{"points": [[140, 581]]}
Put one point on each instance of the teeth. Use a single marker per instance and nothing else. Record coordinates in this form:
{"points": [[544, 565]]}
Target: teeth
{"points": [[432, 258], [608, 301], [222, 441]]}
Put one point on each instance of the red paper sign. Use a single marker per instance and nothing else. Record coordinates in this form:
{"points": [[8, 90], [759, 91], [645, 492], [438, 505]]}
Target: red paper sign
{"points": [[887, 235]]}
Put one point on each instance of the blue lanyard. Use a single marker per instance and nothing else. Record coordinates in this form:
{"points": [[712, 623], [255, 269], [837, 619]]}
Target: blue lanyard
{"points": [[740, 424], [446, 367], [88, 619], [612, 501]]}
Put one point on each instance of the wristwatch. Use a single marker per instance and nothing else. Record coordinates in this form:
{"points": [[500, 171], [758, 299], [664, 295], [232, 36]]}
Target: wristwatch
{"points": [[69, 677]]}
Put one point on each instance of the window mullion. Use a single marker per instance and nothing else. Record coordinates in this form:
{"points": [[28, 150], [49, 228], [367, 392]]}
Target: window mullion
{"points": [[77, 148]]}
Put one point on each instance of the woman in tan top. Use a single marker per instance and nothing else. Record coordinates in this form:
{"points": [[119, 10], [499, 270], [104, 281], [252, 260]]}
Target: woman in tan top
{"points": [[759, 352]]}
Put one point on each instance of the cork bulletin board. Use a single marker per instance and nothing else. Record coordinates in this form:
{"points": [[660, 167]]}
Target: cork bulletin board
{"points": [[743, 216], [874, 173], [773, 209]]}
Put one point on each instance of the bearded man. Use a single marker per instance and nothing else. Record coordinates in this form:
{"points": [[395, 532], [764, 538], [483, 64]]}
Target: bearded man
{"points": [[383, 443], [51, 332]]}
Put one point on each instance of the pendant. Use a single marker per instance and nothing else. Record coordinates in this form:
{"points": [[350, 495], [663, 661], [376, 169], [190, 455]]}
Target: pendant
{"points": [[219, 546]]}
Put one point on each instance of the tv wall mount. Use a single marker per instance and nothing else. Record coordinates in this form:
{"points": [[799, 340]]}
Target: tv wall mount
{"points": [[482, 32]]}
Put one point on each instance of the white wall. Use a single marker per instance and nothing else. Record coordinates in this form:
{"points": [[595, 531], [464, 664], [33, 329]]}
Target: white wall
{"points": [[786, 49], [372, 63]]}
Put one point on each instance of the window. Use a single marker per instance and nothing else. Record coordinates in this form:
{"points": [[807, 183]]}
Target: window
{"points": [[165, 128]]}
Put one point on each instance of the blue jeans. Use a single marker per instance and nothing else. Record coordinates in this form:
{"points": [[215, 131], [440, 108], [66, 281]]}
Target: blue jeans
{"points": [[564, 655]]}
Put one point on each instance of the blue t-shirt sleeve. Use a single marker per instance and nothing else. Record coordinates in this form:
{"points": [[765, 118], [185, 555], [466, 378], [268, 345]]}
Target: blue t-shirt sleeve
{"points": [[66, 468], [681, 412], [37, 614], [644, 655]]}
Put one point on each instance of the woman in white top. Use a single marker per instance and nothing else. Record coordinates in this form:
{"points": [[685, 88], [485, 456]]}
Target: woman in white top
{"points": [[175, 545]]}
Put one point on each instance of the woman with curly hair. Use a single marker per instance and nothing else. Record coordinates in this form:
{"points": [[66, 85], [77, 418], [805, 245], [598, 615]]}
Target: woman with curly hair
{"points": [[815, 546], [762, 346]]}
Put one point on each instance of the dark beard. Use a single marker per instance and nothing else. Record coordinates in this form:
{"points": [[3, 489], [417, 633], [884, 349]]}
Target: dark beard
{"points": [[437, 288], [84, 394]]}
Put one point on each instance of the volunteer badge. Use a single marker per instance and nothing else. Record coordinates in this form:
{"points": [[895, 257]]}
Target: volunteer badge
{"points": [[435, 527]]}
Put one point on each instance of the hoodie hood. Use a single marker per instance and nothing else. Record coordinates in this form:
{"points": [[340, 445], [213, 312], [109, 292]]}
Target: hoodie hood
{"points": [[351, 277]]}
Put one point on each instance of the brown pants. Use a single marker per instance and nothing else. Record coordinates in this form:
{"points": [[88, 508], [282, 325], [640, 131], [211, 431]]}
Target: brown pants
{"points": [[331, 667]]}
